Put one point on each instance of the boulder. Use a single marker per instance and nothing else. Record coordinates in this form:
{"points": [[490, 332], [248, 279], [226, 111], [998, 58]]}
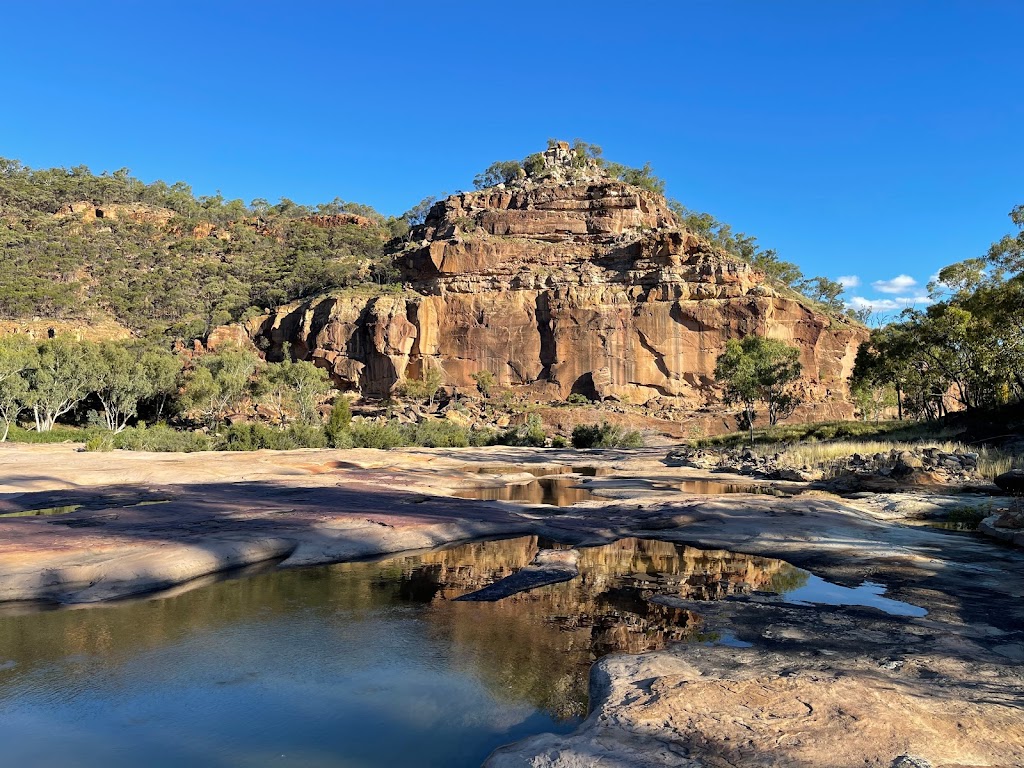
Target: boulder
{"points": [[908, 461], [1012, 481]]}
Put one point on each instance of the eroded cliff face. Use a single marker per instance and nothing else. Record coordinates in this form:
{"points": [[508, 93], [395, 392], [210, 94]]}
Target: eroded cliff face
{"points": [[573, 282]]}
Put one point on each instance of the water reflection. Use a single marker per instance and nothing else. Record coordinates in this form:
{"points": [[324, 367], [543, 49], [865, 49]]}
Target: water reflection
{"points": [[713, 487], [558, 630], [44, 512], [561, 486], [554, 491], [357, 662]]}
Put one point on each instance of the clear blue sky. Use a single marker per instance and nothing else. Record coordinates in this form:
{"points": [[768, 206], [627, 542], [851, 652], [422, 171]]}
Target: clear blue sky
{"points": [[873, 138]]}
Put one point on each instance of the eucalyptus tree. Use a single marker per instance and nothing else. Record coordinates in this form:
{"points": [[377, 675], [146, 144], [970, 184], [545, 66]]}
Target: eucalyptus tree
{"points": [[220, 381], [122, 382], [298, 387], [759, 370], [64, 374], [17, 358]]}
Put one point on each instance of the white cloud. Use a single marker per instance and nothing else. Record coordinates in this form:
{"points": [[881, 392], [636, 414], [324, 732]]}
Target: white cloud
{"points": [[848, 281], [888, 305], [899, 284]]}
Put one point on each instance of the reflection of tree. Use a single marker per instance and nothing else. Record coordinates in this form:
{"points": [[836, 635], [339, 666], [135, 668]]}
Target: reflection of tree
{"points": [[787, 579]]}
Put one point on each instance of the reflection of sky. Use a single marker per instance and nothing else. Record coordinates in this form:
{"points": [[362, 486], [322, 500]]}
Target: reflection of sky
{"points": [[347, 665], [362, 688], [868, 594]]}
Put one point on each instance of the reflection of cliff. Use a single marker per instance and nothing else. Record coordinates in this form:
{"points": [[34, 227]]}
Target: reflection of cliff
{"points": [[559, 491], [535, 646], [540, 644]]}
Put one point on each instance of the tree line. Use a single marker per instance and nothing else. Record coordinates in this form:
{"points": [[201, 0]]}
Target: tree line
{"points": [[967, 347], [113, 384]]}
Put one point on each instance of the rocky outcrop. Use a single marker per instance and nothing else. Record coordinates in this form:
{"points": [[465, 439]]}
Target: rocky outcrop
{"points": [[141, 213], [338, 220], [39, 329], [566, 282]]}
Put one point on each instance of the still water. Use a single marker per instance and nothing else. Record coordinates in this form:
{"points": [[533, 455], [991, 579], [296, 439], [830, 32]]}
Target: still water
{"points": [[358, 664]]}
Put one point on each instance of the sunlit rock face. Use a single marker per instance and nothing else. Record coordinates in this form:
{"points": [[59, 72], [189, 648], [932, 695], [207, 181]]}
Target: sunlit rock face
{"points": [[575, 282]]}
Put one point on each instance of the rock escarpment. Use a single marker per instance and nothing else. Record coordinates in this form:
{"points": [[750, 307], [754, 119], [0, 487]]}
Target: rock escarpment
{"points": [[569, 281]]}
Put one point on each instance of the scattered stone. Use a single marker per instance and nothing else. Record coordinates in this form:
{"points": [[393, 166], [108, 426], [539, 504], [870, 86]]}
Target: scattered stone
{"points": [[879, 472], [908, 761]]}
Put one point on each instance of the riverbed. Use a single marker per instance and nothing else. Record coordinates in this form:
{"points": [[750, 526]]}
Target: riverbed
{"points": [[701, 628]]}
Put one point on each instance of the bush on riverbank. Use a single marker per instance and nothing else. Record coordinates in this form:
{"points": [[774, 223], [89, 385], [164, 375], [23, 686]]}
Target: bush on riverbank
{"points": [[60, 434], [605, 435], [161, 438], [254, 436]]}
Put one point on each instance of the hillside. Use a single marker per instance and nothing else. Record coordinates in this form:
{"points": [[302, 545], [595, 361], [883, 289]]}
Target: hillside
{"points": [[87, 249]]}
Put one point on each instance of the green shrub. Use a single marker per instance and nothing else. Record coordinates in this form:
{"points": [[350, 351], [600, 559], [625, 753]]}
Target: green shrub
{"points": [[577, 399], [437, 433], [59, 434], [99, 443], [252, 436], [255, 437], [605, 435], [383, 436], [481, 437], [969, 515], [307, 435], [559, 442], [161, 438], [530, 434], [338, 425], [341, 439]]}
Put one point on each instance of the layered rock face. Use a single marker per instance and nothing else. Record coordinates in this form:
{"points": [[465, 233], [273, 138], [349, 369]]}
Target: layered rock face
{"points": [[570, 282]]}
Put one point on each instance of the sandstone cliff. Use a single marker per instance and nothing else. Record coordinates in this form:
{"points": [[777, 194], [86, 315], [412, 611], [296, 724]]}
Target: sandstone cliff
{"points": [[566, 282]]}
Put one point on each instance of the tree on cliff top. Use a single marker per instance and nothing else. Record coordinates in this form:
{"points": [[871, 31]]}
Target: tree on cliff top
{"points": [[756, 370], [583, 154], [500, 172]]}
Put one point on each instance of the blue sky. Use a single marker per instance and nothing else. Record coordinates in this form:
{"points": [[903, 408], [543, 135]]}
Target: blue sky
{"points": [[875, 140]]}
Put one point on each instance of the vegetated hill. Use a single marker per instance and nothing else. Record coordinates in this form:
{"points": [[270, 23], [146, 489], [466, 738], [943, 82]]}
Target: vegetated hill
{"points": [[157, 259], [567, 275]]}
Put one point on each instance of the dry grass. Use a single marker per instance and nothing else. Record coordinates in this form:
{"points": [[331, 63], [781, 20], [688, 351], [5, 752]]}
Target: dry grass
{"points": [[991, 462], [902, 431]]}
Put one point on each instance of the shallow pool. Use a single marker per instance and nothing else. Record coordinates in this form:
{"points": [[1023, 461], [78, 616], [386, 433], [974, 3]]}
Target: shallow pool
{"points": [[358, 664]]}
